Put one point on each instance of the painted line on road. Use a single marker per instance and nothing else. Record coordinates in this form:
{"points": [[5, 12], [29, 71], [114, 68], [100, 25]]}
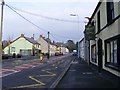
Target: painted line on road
{"points": [[18, 68], [33, 77], [48, 73], [3, 70], [9, 74], [26, 86]]}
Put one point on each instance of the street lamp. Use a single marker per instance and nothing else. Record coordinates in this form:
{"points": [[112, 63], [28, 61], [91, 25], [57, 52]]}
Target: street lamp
{"points": [[75, 15], [1, 23]]}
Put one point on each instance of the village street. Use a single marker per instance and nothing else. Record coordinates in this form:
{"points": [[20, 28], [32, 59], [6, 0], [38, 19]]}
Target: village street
{"points": [[59, 44], [43, 74]]}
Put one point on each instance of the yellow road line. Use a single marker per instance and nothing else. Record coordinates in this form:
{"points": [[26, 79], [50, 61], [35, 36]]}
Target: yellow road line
{"points": [[32, 85], [49, 73], [36, 80], [25, 86]]}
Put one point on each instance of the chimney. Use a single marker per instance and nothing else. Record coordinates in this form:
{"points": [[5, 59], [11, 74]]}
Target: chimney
{"points": [[32, 38], [54, 42], [41, 36], [22, 35]]}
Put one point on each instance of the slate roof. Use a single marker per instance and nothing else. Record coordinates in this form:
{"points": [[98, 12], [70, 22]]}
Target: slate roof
{"points": [[31, 40]]}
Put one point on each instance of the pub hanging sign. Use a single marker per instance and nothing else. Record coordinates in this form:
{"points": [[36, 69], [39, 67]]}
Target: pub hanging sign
{"points": [[89, 32]]}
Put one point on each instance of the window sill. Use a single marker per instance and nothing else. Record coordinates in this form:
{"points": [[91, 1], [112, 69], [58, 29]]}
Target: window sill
{"points": [[113, 67]]}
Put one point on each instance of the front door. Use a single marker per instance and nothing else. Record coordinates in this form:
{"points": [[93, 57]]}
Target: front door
{"points": [[100, 55]]}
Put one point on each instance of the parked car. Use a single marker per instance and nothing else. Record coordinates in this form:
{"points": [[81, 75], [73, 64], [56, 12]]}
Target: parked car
{"points": [[6, 56], [61, 53], [74, 53], [56, 53]]}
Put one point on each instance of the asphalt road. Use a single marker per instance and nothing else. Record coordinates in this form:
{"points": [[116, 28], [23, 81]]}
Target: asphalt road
{"points": [[42, 76]]}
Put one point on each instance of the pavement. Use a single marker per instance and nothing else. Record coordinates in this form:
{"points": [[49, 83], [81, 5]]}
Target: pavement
{"points": [[82, 75]]}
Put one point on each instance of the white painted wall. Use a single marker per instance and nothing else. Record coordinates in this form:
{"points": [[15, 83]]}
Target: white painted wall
{"points": [[110, 31], [82, 48], [21, 43], [44, 45]]}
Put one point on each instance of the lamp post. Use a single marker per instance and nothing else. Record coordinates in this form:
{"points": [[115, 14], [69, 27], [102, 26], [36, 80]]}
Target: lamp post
{"points": [[48, 45], [1, 23], [75, 15]]}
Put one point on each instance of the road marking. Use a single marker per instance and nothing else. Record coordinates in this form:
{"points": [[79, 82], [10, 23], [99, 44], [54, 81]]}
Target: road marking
{"points": [[3, 70], [57, 63], [28, 65], [3, 75], [21, 67], [33, 77], [36, 80], [18, 68], [32, 85], [87, 73], [72, 70], [53, 64], [25, 86], [49, 73]]}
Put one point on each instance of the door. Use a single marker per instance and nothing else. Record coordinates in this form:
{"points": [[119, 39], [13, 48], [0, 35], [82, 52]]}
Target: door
{"points": [[100, 55]]}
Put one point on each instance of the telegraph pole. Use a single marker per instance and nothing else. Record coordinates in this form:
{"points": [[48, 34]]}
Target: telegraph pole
{"points": [[48, 45], [1, 23]]}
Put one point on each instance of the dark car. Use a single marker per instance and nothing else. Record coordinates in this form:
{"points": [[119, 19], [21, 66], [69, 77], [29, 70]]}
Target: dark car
{"points": [[61, 53], [56, 54], [74, 54]]}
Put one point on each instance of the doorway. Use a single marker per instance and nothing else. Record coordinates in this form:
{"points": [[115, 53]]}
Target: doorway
{"points": [[100, 55]]}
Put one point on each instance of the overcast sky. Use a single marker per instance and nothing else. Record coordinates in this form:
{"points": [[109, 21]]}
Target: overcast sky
{"points": [[62, 31]]}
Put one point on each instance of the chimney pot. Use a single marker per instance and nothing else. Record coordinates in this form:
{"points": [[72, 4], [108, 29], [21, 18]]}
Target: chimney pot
{"points": [[22, 35]]}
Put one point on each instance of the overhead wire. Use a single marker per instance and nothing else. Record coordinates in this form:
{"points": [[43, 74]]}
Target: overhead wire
{"points": [[61, 36], [26, 18], [47, 17], [53, 34]]}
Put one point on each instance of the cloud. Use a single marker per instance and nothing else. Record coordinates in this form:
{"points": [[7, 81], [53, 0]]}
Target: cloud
{"points": [[15, 25], [52, 1]]}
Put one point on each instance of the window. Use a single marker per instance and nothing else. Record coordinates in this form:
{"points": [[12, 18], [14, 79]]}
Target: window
{"points": [[112, 53], [93, 53], [119, 7], [98, 21], [12, 49], [25, 52], [110, 12]]}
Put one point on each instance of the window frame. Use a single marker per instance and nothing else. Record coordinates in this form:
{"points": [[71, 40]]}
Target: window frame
{"points": [[110, 12], [108, 62]]}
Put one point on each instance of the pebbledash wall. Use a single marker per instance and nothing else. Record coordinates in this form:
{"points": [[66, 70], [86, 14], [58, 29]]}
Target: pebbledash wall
{"points": [[105, 49]]}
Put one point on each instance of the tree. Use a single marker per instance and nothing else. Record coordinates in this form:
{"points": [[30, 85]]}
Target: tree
{"points": [[71, 45]]}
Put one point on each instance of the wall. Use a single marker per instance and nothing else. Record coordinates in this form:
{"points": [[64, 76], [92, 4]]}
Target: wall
{"points": [[81, 49], [44, 45], [107, 32], [21, 43]]}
